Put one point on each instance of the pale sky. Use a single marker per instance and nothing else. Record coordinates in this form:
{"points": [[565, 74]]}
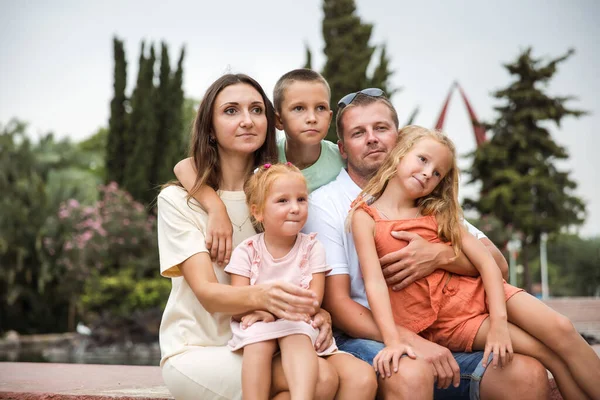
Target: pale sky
{"points": [[57, 63]]}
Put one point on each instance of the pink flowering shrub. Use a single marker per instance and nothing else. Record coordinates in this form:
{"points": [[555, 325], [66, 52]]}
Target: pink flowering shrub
{"points": [[84, 245]]}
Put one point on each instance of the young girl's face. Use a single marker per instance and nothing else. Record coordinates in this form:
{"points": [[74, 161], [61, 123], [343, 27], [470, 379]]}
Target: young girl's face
{"points": [[239, 119], [424, 167], [286, 206]]}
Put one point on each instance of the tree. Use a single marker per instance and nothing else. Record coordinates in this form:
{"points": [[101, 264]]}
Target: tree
{"points": [[118, 146], [520, 183], [381, 74], [143, 132], [308, 63], [348, 53], [169, 110]]}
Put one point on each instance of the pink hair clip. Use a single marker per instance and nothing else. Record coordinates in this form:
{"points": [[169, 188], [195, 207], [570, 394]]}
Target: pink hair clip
{"points": [[289, 164], [267, 165]]}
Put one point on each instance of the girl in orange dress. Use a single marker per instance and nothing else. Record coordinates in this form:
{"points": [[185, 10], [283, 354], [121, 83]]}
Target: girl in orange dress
{"points": [[416, 190]]}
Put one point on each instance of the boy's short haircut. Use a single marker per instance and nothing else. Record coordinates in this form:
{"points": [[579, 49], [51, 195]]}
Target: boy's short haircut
{"points": [[301, 75], [362, 100]]}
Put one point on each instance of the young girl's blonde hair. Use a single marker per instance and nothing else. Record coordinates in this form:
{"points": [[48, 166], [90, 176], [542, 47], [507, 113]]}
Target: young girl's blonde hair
{"points": [[442, 202], [257, 188]]}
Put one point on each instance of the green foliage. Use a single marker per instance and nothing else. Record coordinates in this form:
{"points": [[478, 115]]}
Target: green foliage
{"points": [[82, 244], [574, 268], [150, 142], [122, 294], [119, 144], [521, 184], [308, 62], [34, 179], [144, 128], [349, 54]]}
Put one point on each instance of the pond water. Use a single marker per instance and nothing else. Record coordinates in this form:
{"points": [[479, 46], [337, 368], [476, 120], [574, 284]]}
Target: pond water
{"points": [[132, 355]]}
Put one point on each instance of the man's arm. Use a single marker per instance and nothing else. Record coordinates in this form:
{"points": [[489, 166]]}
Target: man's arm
{"points": [[348, 315], [420, 258]]}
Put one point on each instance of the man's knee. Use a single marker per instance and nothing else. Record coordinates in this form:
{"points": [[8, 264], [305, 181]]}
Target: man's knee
{"points": [[362, 382], [327, 381], [524, 378], [413, 380]]}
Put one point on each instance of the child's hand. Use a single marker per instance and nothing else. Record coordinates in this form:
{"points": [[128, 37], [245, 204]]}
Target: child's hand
{"points": [[219, 234], [391, 355], [499, 344], [249, 319]]}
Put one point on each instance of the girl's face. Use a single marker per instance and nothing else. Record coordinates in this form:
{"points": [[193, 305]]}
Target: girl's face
{"points": [[239, 119], [286, 206], [424, 167]]}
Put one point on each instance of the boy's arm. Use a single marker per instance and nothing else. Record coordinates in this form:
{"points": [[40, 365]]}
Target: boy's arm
{"points": [[219, 230]]}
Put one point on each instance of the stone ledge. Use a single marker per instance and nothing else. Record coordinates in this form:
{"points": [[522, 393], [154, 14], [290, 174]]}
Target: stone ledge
{"points": [[37, 381]]}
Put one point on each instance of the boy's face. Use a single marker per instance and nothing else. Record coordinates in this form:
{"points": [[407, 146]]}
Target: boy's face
{"points": [[305, 114]]}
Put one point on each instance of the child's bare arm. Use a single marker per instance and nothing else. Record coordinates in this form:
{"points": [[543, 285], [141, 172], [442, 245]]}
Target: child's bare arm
{"points": [[317, 285], [387, 360], [219, 230], [498, 340], [376, 287]]}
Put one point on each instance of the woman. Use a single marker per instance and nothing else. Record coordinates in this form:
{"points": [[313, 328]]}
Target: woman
{"points": [[234, 132]]}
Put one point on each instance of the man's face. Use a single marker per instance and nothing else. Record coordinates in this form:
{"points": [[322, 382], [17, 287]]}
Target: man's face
{"points": [[369, 135]]}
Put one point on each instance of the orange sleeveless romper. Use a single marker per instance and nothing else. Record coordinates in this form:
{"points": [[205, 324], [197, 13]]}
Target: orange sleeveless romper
{"points": [[444, 308]]}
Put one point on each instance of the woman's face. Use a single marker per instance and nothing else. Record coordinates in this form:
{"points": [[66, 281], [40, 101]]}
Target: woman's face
{"points": [[239, 119]]}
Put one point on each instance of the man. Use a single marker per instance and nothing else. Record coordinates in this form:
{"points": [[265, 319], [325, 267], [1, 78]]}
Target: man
{"points": [[367, 128]]}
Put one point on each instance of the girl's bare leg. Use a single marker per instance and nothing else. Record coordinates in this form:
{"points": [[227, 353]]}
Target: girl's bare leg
{"points": [[524, 343], [256, 370], [300, 365], [357, 378], [327, 381], [558, 333]]}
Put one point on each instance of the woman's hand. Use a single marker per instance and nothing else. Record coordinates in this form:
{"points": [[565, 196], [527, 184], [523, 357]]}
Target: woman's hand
{"points": [[390, 355], [287, 301], [219, 233], [255, 316], [499, 344], [322, 322]]}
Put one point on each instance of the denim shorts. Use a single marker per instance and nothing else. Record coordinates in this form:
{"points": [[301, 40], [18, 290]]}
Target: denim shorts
{"points": [[471, 368]]}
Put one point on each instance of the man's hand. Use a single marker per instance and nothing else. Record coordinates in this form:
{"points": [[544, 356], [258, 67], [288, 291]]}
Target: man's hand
{"points": [[322, 322], [415, 261], [445, 368]]}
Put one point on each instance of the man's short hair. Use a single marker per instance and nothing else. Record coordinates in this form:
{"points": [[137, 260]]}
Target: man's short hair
{"points": [[362, 100], [301, 75]]}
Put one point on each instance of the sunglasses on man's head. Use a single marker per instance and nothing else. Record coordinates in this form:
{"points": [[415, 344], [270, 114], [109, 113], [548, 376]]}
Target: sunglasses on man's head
{"points": [[349, 98]]}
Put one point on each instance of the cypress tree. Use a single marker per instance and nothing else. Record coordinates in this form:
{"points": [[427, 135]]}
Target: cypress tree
{"points": [[174, 149], [348, 53], [520, 182], [116, 150], [164, 116], [381, 74], [144, 130], [308, 63]]}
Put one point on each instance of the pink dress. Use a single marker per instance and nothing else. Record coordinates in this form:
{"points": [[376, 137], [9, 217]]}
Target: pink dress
{"points": [[252, 260]]}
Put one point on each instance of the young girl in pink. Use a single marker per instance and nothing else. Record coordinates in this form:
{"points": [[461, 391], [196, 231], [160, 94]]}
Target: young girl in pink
{"points": [[277, 196], [416, 190]]}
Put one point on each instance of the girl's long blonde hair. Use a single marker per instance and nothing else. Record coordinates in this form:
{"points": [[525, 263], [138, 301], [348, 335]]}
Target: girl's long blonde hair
{"points": [[442, 202]]}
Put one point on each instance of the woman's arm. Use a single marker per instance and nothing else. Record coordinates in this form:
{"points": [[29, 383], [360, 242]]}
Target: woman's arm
{"points": [[282, 299], [219, 229], [363, 228]]}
